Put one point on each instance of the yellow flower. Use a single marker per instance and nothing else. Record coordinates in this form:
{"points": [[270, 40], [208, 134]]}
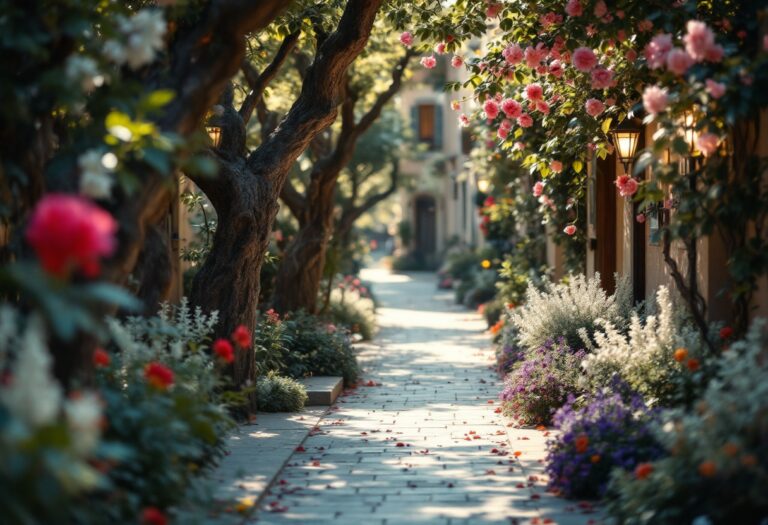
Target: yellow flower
{"points": [[485, 264], [245, 505]]}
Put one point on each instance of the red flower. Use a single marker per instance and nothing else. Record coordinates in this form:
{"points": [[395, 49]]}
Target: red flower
{"points": [[101, 358], [643, 470], [158, 375], [223, 349], [693, 364], [726, 332], [70, 233], [242, 336], [153, 516], [582, 443]]}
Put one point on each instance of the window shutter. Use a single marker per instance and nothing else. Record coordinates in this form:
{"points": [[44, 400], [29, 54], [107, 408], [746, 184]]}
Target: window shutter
{"points": [[415, 122], [438, 127]]}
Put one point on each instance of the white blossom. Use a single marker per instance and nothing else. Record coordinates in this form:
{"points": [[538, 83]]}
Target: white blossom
{"points": [[143, 35], [95, 178], [33, 395], [83, 70], [84, 415]]}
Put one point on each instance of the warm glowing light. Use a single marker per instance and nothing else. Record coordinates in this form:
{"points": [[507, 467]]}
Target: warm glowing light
{"points": [[214, 133], [625, 139], [483, 184]]}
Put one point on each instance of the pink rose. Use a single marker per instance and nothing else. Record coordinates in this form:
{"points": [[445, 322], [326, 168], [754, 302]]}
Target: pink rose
{"points": [[524, 121], [428, 62], [600, 9], [534, 55], [715, 53], [556, 166], [640, 218], [631, 55], [678, 61], [556, 69], [502, 132], [573, 8], [594, 107], [455, 105], [657, 49], [534, 92], [601, 78], [584, 59], [506, 123], [492, 9], [513, 54], [440, 48], [698, 39], [538, 189], [627, 186], [406, 38], [491, 108], [644, 25], [707, 143], [570, 229], [542, 106], [463, 120], [69, 233], [511, 108], [655, 100], [457, 61], [715, 89]]}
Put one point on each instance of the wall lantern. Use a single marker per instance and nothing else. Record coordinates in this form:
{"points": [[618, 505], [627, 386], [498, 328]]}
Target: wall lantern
{"points": [[214, 133], [625, 138], [689, 130], [483, 183]]}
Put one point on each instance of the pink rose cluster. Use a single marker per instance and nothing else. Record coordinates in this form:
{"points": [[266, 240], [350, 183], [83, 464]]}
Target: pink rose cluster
{"points": [[406, 38], [594, 107], [655, 100], [429, 62], [69, 233], [627, 185], [707, 143], [699, 43]]}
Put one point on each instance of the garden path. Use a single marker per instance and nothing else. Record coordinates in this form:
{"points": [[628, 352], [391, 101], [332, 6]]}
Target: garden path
{"points": [[421, 441]]}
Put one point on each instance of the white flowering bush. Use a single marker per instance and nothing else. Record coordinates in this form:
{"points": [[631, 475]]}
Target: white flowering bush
{"points": [[570, 310], [280, 394], [660, 356], [49, 442], [717, 465]]}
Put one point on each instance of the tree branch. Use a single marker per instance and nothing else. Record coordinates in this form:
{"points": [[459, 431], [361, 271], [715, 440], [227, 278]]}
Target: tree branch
{"points": [[294, 200], [350, 215], [259, 82]]}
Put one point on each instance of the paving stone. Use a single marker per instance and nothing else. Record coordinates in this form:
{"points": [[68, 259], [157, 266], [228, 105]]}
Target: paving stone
{"points": [[419, 448]]}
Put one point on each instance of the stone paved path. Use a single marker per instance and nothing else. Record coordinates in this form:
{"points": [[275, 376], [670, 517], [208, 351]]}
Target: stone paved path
{"points": [[423, 443]]}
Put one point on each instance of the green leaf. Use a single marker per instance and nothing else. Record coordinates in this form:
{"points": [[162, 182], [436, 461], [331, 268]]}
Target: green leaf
{"points": [[157, 99]]}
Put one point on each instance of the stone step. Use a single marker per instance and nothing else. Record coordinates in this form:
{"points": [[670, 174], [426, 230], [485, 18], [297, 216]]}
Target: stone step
{"points": [[322, 390]]}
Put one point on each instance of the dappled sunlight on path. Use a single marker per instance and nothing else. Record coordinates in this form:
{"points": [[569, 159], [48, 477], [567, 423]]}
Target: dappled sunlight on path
{"points": [[421, 440]]}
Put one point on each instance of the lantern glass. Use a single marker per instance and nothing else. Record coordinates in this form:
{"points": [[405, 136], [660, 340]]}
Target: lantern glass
{"points": [[626, 144], [689, 129], [483, 184], [214, 133]]}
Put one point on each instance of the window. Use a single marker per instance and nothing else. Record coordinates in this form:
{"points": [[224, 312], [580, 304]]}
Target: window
{"points": [[427, 123]]}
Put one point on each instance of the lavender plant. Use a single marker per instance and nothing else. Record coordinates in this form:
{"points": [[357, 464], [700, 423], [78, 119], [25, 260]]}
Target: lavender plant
{"points": [[609, 431], [541, 383]]}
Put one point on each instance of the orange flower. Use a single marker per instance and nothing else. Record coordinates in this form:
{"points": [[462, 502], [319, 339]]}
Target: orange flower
{"points": [[643, 470], [495, 329], [681, 354], [582, 442], [595, 458], [707, 469], [730, 449], [693, 364], [748, 460]]}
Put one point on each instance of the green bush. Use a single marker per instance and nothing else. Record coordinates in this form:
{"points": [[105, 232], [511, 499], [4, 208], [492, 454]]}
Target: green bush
{"points": [[415, 262], [167, 432], [717, 466], [280, 394], [303, 345], [354, 311], [481, 290], [493, 310]]}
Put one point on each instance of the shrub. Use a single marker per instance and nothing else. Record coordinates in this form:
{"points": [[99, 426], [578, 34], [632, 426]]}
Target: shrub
{"points": [[482, 288], [607, 432], [165, 407], [717, 468], [508, 350], [315, 348], [352, 308], [654, 357], [280, 394], [493, 310], [570, 310], [49, 445], [462, 264], [541, 383]]}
